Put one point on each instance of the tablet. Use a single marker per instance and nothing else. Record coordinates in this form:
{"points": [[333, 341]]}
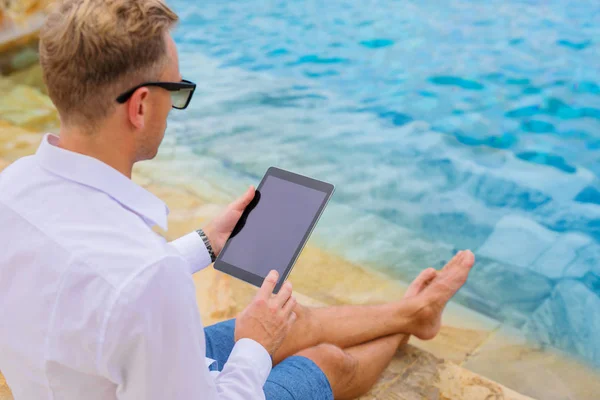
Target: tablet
{"points": [[274, 227]]}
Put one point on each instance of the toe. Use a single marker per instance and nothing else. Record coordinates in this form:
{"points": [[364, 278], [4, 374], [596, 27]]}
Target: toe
{"points": [[428, 274], [420, 282], [468, 258], [456, 260]]}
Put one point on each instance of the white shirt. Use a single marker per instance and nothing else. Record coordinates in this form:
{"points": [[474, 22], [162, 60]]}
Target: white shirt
{"points": [[93, 303]]}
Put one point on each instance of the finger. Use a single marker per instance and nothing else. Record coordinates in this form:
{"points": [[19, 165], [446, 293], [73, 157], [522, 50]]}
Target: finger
{"points": [[244, 200], [266, 290], [289, 306], [284, 294]]}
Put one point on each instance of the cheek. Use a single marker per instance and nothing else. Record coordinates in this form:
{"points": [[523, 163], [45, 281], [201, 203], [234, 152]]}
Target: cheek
{"points": [[167, 108], [168, 102], [162, 112]]}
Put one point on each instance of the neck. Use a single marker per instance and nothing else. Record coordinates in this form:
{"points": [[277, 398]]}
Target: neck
{"points": [[102, 145]]}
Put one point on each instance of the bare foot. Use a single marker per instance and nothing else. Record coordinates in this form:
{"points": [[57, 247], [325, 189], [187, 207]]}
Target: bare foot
{"points": [[420, 283], [435, 295]]}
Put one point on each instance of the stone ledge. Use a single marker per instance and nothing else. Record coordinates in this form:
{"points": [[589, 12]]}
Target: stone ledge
{"points": [[5, 393], [19, 42]]}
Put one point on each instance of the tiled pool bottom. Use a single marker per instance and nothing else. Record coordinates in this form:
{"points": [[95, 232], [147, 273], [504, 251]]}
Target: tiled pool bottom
{"points": [[523, 302], [541, 280], [443, 125]]}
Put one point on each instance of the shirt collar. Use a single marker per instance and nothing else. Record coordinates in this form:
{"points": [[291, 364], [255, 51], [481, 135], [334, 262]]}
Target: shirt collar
{"points": [[94, 173]]}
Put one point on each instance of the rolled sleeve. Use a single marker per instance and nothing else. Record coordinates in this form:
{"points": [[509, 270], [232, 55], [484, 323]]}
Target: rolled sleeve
{"points": [[192, 248]]}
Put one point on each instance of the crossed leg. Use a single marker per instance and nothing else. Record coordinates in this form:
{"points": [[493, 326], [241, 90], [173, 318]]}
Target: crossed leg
{"points": [[354, 344]]}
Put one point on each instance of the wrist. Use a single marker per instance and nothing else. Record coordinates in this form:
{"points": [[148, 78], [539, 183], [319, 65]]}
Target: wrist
{"points": [[268, 349], [212, 236], [208, 239]]}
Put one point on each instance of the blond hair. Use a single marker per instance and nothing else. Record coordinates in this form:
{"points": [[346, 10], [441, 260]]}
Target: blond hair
{"points": [[92, 50]]}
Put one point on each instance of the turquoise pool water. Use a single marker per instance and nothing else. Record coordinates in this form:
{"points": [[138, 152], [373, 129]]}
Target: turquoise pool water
{"points": [[444, 125]]}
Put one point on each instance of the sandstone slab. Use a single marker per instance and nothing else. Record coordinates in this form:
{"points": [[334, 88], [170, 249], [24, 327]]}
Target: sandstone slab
{"points": [[416, 375], [18, 40], [3, 164], [17, 142], [508, 357], [31, 77], [5, 393], [27, 108]]}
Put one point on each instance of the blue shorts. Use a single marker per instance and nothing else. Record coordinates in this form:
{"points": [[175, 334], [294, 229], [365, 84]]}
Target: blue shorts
{"points": [[295, 378]]}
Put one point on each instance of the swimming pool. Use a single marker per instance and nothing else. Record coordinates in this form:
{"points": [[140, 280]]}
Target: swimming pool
{"points": [[444, 125]]}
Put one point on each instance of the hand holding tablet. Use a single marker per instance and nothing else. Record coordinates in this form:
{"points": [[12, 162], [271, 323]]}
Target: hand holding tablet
{"points": [[275, 227]]}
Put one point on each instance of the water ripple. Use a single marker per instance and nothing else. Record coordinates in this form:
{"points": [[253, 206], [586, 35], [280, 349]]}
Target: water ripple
{"points": [[456, 81], [315, 59], [551, 160], [377, 43], [574, 45]]}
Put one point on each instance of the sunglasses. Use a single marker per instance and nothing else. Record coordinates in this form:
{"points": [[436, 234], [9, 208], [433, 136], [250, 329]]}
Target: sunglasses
{"points": [[181, 92]]}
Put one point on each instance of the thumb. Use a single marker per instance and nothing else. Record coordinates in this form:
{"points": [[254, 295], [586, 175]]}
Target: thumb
{"points": [[246, 198]]}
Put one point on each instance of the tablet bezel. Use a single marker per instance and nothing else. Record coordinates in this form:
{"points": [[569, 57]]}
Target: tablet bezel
{"points": [[302, 180]]}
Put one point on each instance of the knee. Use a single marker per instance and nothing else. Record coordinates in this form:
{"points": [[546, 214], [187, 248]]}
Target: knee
{"points": [[339, 366]]}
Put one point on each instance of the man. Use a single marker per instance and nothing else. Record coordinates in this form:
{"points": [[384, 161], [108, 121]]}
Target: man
{"points": [[95, 305]]}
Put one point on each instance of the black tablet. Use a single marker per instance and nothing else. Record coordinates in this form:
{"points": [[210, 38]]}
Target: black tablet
{"points": [[275, 227]]}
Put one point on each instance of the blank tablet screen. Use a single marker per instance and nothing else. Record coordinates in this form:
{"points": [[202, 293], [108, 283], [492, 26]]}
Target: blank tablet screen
{"points": [[275, 227]]}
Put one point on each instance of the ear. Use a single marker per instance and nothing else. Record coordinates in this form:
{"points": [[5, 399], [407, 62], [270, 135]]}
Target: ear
{"points": [[137, 108]]}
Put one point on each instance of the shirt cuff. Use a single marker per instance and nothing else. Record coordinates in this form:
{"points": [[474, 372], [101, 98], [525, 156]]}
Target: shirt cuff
{"points": [[256, 355], [192, 248]]}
